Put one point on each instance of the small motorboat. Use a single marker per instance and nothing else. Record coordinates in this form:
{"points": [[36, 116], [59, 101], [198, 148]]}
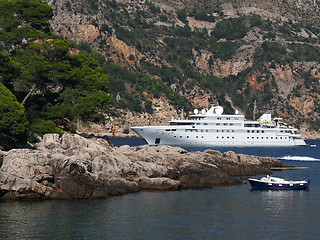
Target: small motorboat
{"points": [[275, 183]]}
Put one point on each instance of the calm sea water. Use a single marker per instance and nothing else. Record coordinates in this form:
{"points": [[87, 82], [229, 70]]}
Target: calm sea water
{"points": [[235, 212]]}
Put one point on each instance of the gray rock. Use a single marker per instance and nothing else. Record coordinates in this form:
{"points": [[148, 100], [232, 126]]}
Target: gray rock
{"points": [[159, 183], [75, 167]]}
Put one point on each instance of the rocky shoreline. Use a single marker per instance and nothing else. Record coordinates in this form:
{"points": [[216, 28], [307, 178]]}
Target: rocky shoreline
{"points": [[76, 167]]}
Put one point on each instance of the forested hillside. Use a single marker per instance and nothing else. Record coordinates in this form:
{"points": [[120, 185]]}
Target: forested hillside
{"points": [[62, 61], [225, 52]]}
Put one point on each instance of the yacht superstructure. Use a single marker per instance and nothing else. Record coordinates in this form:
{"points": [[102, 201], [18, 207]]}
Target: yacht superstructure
{"points": [[212, 128]]}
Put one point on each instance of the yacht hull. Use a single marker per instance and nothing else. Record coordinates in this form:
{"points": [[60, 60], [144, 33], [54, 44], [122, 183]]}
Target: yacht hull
{"points": [[212, 128], [164, 135]]}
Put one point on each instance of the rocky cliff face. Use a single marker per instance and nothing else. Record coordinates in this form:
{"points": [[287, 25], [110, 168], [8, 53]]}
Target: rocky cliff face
{"points": [[111, 29], [76, 167], [120, 126]]}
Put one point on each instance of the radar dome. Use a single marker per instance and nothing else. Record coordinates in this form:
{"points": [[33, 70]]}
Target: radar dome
{"points": [[236, 112], [196, 111], [203, 111], [219, 110]]}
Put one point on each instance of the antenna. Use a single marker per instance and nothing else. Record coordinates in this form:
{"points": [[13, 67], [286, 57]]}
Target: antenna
{"points": [[182, 114], [254, 109]]}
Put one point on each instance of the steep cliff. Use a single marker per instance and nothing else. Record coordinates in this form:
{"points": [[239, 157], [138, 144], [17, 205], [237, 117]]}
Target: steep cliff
{"points": [[226, 52]]}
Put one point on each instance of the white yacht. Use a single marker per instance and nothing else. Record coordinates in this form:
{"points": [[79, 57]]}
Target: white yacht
{"points": [[212, 128]]}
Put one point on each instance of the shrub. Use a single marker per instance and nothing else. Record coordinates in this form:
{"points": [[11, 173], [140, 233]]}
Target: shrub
{"points": [[153, 8], [225, 50], [13, 123], [41, 127], [203, 16], [273, 51], [112, 3], [255, 20], [284, 28], [148, 106], [231, 29], [182, 16]]}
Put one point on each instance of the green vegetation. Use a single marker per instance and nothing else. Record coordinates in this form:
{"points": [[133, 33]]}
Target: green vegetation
{"points": [[273, 51], [153, 8], [309, 81], [224, 50], [69, 84], [184, 56], [256, 21], [182, 15], [41, 127], [315, 124], [203, 16], [172, 53], [126, 87], [23, 20], [13, 122], [230, 29], [179, 45], [57, 88], [119, 77]]}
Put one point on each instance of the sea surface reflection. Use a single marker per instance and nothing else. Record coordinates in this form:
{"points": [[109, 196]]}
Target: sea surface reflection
{"points": [[235, 212]]}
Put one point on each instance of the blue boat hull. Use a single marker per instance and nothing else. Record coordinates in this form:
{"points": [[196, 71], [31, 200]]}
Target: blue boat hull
{"points": [[277, 186]]}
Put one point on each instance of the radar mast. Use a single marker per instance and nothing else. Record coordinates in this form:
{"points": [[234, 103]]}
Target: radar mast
{"points": [[254, 109]]}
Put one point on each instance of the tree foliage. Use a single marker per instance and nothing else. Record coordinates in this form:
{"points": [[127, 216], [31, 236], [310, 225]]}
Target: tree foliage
{"points": [[8, 70], [182, 15], [41, 127], [55, 86], [230, 29], [63, 80], [23, 20], [13, 122], [255, 20], [224, 50]]}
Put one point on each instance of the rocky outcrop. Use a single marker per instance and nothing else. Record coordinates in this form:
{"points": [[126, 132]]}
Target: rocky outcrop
{"points": [[76, 167], [120, 126]]}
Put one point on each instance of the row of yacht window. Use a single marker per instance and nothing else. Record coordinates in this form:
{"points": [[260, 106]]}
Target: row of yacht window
{"points": [[220, 124], [232, 137], [248, 125], [227, 130], [218, 118]]}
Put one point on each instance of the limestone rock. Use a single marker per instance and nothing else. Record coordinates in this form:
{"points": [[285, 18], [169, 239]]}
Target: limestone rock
{"points": [[72, 166], [15, 187], [158, 184]]}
